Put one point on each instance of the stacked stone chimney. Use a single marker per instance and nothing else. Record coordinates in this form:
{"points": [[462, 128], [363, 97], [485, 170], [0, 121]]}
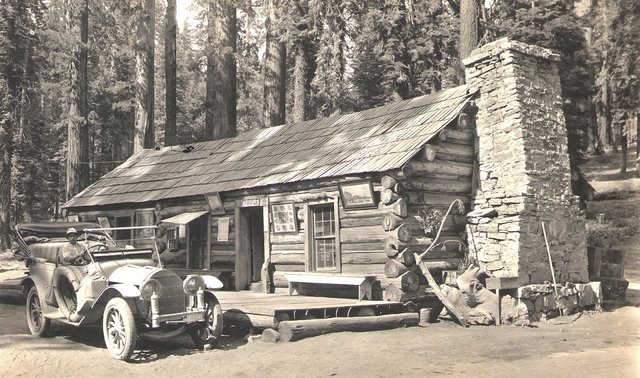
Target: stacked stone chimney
{"points": [[524, 174]]}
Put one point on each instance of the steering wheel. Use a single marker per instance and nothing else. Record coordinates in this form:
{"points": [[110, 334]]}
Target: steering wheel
{"points": [[96, 248]]}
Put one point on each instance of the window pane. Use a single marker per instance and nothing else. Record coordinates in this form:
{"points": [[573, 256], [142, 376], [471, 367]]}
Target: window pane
{"points": [[325, 253], [324, 244]]}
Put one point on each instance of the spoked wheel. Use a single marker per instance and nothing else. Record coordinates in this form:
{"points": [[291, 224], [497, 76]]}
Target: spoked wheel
{"points": [[119, 329], [38, 324], [207, 334]]}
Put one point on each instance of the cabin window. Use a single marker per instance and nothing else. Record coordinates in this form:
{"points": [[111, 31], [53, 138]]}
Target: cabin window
{"points": [[172, 239], [323, 237]]}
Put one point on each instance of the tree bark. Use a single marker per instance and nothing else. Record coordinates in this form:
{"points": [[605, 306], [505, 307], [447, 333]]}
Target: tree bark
{"points": [[170, 67], [624, 144], [77, 126], [221, 71], [144, 135], [275, 75], [469, 16]]}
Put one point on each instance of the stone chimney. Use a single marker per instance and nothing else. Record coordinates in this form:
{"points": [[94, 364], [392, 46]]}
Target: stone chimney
{"points": [[524, 174]]}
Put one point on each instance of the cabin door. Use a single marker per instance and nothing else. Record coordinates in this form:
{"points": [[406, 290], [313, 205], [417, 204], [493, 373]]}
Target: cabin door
{"points": [[198, 248], [249, 246]]}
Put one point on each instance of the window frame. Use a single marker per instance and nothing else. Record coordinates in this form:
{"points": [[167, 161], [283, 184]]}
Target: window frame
{"points": [[310, 238]]}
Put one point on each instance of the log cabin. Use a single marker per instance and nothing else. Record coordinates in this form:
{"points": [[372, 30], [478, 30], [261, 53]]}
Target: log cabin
{"points": [[351, 195]]}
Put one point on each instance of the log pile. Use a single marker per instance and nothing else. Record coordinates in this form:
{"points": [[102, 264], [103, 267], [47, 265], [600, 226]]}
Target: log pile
{"points": [[404, 280]]}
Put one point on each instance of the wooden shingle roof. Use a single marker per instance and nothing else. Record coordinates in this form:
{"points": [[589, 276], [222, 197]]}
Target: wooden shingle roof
{"points": [[374, 140]]}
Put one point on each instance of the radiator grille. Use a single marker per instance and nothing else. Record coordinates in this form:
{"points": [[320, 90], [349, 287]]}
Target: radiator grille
{"points": [[173, 297]]}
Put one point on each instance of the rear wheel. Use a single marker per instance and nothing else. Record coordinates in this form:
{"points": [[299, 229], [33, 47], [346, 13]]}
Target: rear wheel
{"points": [[207, 334], [119, 329], [38, 324]]}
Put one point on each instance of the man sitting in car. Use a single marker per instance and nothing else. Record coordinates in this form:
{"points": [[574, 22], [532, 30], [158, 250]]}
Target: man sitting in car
{"points": [[72, 252]]}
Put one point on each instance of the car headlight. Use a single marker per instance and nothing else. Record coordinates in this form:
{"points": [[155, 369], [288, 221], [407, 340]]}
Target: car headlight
{"points": [[192, 284], [149, 288]]}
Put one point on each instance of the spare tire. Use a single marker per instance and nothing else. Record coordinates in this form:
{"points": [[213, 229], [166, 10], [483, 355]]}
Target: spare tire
{"points": [[66, 281]]}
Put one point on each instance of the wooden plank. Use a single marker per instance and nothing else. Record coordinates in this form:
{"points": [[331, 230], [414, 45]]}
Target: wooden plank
{"points": [[436, 289], [368, 234], [361, 247], [360, 222], [297, 268], [283, 248], [287, 238], [243, 248], [368, 257], [288, 258]]}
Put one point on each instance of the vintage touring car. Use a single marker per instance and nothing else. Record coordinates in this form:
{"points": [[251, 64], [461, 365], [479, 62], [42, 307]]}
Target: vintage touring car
{"points": [[118, 284]]}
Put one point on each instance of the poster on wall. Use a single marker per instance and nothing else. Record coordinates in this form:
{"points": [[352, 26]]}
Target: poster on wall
{"points": [[223, 229], [284, 218]]}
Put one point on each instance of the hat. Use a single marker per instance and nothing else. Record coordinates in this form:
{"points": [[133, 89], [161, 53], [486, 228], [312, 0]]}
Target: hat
{"points": [[71, 230]]}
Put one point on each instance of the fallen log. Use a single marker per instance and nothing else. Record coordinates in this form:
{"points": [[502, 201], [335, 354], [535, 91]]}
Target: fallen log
{"points": [[300, 329]]}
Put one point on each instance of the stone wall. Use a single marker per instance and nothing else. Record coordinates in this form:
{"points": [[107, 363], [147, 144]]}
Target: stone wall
{"points": [[524, 176]]}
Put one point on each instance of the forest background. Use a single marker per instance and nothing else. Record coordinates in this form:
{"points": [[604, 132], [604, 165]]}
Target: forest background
{"points": [[84, 84]]}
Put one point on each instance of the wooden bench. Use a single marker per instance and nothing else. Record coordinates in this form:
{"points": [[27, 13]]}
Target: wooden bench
{"points": [[363, 282]]}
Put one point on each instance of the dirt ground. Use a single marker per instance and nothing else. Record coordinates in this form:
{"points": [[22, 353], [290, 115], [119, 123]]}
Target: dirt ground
{"points": [[587, 345]]}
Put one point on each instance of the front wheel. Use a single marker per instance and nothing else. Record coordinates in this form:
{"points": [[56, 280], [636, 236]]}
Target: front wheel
{"points": [[119, 329], [38, 324], [207, 334]]}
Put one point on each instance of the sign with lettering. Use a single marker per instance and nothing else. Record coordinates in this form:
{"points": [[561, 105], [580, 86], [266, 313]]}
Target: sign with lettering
{"points": [[250, 202]]}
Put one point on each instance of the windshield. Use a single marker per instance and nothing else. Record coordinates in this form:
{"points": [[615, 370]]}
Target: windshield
{"points": [[126, 238]]}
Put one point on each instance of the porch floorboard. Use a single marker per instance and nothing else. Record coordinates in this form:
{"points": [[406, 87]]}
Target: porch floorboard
{"points": [[259, 310]]}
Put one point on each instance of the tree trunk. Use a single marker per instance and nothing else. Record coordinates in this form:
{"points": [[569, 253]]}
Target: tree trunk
{"points": [[624, 146], [144, 136], [77, 126], [298, 329], [6, 148], [275, 74], [469, 16], [221, 71], [170, 68], [300, 87]]}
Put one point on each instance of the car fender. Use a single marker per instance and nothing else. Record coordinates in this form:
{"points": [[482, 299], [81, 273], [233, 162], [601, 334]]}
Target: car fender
{"points": [[127, 291], [212, 282]]}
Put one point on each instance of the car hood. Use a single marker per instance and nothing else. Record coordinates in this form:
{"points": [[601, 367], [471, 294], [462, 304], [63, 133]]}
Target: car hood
{"points": [[132, 274]]}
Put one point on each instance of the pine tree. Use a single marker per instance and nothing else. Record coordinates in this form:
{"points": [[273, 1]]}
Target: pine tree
{"points": [[275, 69], [170, 73], [144, 135]]}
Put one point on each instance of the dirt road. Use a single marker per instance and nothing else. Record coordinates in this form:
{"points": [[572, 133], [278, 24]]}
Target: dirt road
{"points": [[596, 344]]}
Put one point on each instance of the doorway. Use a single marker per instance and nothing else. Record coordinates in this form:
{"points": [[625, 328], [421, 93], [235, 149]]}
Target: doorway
{"points": [[198, 248], [249, 246]]}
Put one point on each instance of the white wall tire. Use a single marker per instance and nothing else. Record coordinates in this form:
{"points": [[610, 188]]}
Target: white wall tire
{"points": [[119, 329]]}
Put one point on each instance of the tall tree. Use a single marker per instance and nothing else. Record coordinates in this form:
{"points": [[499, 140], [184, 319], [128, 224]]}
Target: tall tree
{"points": [[275, 70], [469, 22], [330, 80], [144, 136], [617, 23], [77, 123], [19, 22], [170, 67], [302, 48], [221, 70]]}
